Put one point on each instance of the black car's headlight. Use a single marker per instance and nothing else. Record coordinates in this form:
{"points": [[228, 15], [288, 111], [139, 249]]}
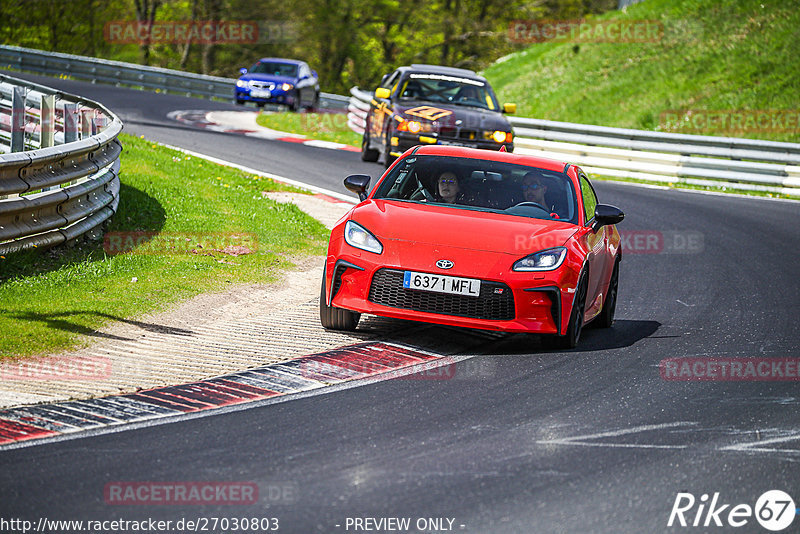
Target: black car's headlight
{"points": [[357, 236], [415, 127], [544, 260], [498, 136]]}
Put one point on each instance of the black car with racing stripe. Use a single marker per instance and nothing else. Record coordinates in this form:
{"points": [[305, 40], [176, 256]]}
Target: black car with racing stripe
{"points": [[429, 104]]}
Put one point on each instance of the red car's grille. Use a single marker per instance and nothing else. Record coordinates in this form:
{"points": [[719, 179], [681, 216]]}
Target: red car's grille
{"points": [[496, 301]]}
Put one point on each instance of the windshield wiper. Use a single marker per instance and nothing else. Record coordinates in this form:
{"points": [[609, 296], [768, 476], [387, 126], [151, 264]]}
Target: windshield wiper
{"points": [[469, 105]]}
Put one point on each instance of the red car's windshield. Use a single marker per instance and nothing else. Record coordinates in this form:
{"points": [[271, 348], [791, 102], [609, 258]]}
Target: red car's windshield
{"points": [[482, 185]]}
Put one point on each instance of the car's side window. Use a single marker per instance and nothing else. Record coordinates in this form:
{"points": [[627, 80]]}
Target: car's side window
{"points": [[589, 198]]}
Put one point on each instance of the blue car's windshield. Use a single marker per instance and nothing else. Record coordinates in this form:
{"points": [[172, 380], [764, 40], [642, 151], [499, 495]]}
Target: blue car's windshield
{"points": [[482, 185], [278, 69]]}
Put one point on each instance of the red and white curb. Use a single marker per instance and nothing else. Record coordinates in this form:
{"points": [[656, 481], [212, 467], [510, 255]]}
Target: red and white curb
{"points": [[246, 125], [324, 369]]}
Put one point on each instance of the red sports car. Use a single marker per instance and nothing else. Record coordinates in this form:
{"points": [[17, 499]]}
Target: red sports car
{"points": [[472, 238]]}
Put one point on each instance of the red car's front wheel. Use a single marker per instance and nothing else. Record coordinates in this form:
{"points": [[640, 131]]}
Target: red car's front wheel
{"points": [[333, 318], [575, 326]]}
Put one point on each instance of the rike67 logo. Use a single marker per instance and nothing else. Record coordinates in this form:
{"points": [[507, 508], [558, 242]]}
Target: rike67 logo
{"points": [[774, 510]]}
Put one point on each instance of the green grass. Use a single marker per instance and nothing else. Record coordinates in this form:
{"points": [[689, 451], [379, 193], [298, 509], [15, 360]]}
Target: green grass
{"points": [[52, 300], [714, 55], [322, 126]]}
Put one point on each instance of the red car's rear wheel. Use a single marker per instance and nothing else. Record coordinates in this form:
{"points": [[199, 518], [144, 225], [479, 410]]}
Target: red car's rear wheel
{"points": [[606, 317]]}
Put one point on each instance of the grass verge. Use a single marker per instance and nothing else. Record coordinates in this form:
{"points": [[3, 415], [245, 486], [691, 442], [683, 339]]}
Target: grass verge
{"points": [[197, 226], [321, 126]]}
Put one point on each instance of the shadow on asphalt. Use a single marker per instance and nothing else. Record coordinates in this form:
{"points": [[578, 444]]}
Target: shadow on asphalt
{"points": [[624, 333], [450, 340]]}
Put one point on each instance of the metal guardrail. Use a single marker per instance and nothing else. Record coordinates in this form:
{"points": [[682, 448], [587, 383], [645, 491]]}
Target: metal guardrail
{"points": [[745, 164], [129, 74], [645, 155], [64, 182]]}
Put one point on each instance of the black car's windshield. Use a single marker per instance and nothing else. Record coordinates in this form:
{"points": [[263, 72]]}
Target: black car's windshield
{"points": [[441, 88], [275, 68], [482, 185]]}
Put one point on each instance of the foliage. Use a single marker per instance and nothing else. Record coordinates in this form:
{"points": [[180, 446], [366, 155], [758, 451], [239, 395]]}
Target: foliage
{"points": [[349, 42]]}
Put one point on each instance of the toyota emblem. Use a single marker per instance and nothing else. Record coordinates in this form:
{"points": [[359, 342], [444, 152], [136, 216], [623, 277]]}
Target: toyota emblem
{"points": [[444, 264]]}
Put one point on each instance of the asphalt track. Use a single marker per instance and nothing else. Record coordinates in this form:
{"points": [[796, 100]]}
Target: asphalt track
{"points": [[521, 440]]}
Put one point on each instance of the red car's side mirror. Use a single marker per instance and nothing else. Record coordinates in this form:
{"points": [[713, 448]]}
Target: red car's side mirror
{"points": [[358, 183]]}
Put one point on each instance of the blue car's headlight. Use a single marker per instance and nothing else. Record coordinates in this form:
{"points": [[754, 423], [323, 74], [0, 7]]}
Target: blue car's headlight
{"points": [[241, 83], [357, 236], [286, 86], [544, 260]]}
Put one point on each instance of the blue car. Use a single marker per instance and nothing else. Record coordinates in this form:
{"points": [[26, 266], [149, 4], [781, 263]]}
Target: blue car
{"points": [[278, 81]]}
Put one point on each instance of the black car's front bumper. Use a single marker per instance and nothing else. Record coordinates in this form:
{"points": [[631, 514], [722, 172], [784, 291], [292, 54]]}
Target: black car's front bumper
{"points": [[402, 141]]}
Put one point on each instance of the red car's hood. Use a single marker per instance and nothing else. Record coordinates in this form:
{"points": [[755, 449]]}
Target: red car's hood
{"points": [[460, 228]]}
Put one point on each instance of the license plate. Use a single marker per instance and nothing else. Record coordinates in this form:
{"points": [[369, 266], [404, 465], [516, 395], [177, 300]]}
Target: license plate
{"points": [[454, 143], [260, 93], [440, 283]]}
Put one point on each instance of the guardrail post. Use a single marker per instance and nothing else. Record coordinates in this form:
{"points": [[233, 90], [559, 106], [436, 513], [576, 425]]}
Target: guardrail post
{"points": [[47, 124], [48, 121], [70, 123], [18, 120], [87, 124]]}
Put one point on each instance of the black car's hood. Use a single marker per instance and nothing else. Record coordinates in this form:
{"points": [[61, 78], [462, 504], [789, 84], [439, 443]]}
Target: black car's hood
{"points": [[453, 116]]}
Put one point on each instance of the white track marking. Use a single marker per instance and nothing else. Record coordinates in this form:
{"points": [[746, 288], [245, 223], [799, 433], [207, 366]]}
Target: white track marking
{"points": [[583, 439], [758, 446]]}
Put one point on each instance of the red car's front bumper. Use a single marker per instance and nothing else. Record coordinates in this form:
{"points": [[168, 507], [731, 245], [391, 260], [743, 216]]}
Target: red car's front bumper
{"points": [[542, 301]]}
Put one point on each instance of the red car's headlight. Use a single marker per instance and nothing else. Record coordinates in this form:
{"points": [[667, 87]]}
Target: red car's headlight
{"points": [[357, 236], [544, 260]]}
